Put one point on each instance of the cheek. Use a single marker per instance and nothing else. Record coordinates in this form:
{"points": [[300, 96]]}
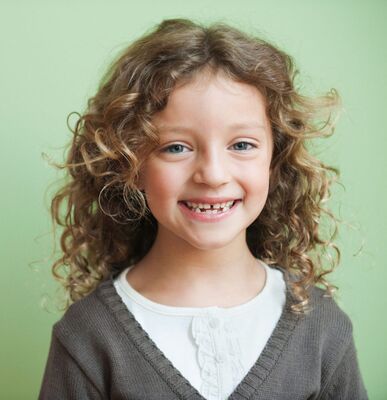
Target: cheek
{"points": [[257, 184], [162, 184]]}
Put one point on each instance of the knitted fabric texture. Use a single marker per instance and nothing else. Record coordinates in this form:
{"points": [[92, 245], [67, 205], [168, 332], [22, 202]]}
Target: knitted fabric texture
{"points": [[99, 351]]}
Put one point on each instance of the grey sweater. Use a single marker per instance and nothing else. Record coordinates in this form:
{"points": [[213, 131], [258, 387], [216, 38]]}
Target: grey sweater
{"points": [[99, 351]]}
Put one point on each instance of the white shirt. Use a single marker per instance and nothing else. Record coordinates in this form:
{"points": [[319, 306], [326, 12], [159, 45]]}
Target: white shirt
{"points": [[212, 347]]}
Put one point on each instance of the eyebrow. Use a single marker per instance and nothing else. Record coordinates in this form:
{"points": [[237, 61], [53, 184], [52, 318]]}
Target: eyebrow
{"points": [[240, 125]]}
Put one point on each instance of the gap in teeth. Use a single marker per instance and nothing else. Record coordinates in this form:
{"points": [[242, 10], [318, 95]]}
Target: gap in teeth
{"points": [[222, 207]]}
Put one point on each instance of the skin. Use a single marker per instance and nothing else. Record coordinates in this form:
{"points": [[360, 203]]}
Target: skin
{"points": [[195, 263]]}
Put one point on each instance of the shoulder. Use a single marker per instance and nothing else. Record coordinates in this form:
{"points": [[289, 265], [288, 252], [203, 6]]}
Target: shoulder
{"points": [[333, 338], [89, 318], [326, 319], [327, 313], [326, 330]]}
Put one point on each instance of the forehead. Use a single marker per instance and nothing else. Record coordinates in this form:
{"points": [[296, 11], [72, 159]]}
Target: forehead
{"points": [[213, 100]]}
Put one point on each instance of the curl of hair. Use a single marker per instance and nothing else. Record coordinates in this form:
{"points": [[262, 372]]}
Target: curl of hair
{"points": [[104, 215]]}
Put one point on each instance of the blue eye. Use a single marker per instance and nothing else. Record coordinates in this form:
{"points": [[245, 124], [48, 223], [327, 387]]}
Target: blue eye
{"points": [[173, 148], [177, 148], [243, 147]]}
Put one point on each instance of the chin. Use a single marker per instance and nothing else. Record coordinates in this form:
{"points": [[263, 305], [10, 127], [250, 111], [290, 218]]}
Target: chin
{"points": [[209, 244]]}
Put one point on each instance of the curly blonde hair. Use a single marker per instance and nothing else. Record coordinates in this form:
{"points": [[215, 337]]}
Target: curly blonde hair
{"points": [[105, 220]]}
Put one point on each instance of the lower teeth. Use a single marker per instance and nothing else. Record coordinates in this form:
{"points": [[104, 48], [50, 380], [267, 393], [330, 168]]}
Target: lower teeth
{"points": [[197, 210]]}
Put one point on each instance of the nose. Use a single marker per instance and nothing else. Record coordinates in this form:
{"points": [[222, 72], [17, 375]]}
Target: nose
{"points": [[211, 169]]}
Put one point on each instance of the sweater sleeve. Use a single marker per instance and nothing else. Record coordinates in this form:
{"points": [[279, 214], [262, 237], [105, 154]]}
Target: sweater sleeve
{"points": [[346, 382], [64, 378]]}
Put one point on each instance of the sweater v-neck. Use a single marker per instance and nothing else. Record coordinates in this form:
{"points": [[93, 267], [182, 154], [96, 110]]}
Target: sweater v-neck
{"points": [[251, 382]]}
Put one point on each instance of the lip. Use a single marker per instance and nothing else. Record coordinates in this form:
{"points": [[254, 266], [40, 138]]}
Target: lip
{"points": [[203, 217], [211, 200]]}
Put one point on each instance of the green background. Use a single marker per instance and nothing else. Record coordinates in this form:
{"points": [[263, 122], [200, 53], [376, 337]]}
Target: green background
{"points": [[52, 56]]}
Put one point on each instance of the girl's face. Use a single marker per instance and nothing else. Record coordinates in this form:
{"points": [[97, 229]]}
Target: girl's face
{"points": [[215, 148]]}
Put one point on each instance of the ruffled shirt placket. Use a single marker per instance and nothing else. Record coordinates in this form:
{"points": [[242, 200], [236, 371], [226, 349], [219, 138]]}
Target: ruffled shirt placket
{"points": [[219, 353]]}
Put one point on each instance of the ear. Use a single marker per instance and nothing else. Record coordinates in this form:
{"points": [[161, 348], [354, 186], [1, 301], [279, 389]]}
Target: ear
{"points": [[140, 182], [140, 186]]}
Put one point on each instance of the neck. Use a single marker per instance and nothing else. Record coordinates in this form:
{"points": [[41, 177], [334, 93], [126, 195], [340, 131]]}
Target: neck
{"points": [[199, 275]]}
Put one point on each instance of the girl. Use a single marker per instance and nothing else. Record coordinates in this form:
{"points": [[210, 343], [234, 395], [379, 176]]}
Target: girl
{"points": [[191, 238]]}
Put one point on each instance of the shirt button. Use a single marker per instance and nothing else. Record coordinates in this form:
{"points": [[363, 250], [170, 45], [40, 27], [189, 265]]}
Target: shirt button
{"points": [[214, 323]]}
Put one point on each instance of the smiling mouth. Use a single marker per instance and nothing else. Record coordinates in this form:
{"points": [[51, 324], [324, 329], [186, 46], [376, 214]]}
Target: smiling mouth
{"points": [[210, 208]]}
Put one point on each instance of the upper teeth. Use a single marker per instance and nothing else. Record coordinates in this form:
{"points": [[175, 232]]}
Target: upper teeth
{"points": [[227, 204]]}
